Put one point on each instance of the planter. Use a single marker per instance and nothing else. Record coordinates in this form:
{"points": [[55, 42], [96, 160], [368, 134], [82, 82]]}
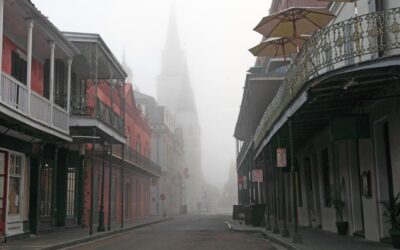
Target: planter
{"points": [[342, 227], [395, 235]]}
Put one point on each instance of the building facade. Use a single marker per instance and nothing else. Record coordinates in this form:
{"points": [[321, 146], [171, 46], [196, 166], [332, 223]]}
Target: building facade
{"points": [[65, 113], [336, 117], [167, 151]]}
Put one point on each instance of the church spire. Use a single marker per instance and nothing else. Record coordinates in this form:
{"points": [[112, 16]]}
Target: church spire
{"points": [[172, 41]]}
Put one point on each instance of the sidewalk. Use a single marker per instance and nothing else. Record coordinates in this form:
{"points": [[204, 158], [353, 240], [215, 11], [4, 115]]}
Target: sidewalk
{"points": [[66, 237], [313, 239]]}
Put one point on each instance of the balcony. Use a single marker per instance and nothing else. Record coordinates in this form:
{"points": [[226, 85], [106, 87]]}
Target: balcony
{"points": [[142, 162], [363, 40], [104, 113], [15, 96]]}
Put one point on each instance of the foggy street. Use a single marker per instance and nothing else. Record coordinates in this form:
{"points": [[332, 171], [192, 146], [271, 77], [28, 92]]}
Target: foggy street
{"points": [[183, 232]]}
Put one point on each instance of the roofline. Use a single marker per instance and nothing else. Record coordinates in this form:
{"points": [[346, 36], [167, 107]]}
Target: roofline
{"points": [[67, 46], [95, 38]]}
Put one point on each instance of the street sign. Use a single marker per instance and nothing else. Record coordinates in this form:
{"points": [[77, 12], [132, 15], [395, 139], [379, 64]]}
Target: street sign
{"points": [[257, 175], [162, 197], [281, 156]]}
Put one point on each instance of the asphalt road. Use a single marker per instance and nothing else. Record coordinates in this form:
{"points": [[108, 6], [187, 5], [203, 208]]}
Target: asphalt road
{"points": [[183, 232]]}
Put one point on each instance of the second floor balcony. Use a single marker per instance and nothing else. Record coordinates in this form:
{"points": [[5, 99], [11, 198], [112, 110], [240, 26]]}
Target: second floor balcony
{"points": [[97, 90], [367, 41], [35, 62]]}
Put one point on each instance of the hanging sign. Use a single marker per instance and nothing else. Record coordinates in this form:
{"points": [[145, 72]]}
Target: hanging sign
{"points": [[257, 175], [281, 156]]}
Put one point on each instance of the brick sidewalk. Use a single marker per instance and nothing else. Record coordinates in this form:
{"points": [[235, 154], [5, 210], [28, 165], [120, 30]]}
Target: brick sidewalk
{"points": [[66, 237], [313, 239]]}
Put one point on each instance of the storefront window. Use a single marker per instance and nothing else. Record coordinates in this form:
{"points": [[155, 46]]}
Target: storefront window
{"points": [[45, 190], [71, 191], [14, 194]]}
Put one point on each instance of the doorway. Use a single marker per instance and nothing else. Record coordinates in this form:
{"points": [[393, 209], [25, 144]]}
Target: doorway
{"points": [[309, 192]]}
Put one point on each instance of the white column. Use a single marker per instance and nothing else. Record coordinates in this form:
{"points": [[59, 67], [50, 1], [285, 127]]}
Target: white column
{"points": [[1, 33], [29, 63], [52, 48], [69, 85]]}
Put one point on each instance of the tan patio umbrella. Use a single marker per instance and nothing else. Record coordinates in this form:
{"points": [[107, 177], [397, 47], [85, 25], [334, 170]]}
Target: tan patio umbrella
{"points": [[280, 46], [294, 22]]}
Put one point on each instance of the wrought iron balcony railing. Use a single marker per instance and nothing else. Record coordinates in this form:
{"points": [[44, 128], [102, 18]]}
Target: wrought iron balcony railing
{"points": [[103, 112], [142, 161], [357, 40]]}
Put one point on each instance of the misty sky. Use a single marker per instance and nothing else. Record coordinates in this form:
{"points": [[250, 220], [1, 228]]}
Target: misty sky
{"points": [[216, 35]]}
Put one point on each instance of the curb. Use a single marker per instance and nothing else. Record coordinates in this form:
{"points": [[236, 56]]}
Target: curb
{"points": [[268, 236], [102, 235]]}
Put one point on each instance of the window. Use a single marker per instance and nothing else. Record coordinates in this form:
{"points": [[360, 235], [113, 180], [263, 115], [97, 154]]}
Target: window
{"points": [[45, 190], [18, 67], [326, 177], [127, 200], [71, 177], [14, 195], [138, 144]]}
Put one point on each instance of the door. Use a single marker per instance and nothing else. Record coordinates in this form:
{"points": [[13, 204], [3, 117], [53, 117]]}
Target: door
{"points": [[3, 167], [113, 199], [309, 191], [384, 171], [15, 194]]}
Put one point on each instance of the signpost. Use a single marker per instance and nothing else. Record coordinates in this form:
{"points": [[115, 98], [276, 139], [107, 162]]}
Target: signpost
{"points": [[257, 176]]}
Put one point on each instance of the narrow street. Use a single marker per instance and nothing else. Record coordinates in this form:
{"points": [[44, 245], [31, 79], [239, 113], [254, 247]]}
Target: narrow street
{"points": [[183, 232]]}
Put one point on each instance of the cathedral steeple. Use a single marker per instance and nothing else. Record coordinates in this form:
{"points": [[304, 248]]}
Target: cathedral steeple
{"points": [[172, 41]]}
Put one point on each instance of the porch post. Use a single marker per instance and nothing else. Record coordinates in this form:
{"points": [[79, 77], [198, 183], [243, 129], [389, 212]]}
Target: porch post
{"points": [[69, 85], [109, 185], [267, 191], [52, 49], [1, 33], [100, 227], [285, 231], [122, 186], [275, 229], [91, 218], [296, 236], [29, 62]]}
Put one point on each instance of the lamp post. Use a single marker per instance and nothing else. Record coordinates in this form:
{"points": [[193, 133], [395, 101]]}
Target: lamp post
{"points": [[101, 227]]}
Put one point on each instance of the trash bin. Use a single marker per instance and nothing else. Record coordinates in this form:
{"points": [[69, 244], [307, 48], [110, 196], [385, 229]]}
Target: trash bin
{"points": [[248, 214], [257, 214], [237, 210]]}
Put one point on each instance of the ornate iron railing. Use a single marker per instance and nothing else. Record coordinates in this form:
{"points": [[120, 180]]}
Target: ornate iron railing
{"points": [[102, 112], [353, 41], [141, 161]]}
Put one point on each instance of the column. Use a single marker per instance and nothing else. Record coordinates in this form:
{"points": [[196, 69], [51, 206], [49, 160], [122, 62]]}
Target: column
{"points": [[52, 50], [296, 236], [69, 84], [1, 32], [29, 62]]}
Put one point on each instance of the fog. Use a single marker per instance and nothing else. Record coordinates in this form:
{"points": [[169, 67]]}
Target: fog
{"points": [[216, 35]]}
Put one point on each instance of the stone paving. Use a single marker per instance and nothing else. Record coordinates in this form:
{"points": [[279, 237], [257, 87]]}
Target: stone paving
{"points": [[313, 239], [66, 237]]}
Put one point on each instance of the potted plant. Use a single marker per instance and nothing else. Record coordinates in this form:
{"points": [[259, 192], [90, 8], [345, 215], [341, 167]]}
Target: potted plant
{"points": [[342, 226], [392, 212]]}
